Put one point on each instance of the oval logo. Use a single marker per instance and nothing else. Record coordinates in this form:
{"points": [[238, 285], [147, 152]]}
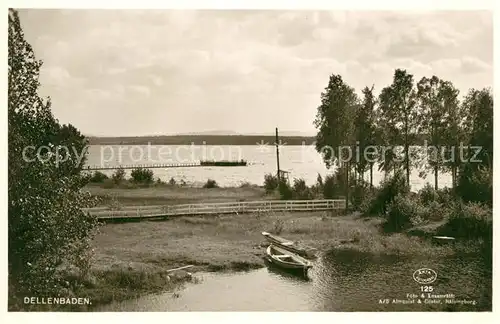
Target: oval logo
{"points": [[425, 276]]}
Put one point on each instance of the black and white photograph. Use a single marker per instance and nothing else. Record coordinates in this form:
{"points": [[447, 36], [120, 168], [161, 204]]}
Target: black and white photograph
{"points": [[249, 160]]}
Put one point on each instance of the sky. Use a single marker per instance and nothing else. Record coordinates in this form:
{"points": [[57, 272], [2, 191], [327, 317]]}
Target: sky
{"points": [[153, 72]]}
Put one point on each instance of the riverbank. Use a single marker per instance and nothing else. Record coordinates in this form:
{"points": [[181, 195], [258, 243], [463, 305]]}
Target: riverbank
{"points": [[131, 259]]}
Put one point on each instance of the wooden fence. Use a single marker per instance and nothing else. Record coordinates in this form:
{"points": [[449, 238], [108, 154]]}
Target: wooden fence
{"points": [[160, 211]]}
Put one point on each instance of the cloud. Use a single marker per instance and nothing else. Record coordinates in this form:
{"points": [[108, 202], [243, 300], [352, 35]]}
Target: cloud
{"points": [[188, 67], [140, 89]]}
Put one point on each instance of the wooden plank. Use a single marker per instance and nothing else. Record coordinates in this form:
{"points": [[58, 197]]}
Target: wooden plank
{"points": [[181, 268]]}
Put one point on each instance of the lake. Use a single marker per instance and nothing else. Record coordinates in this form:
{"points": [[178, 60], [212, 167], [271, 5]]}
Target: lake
{"points": [[339, 281], [302, 161]]}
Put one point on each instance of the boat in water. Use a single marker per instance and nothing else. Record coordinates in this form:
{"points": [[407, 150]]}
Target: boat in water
{"points": [[287, 260], [303, 251]]}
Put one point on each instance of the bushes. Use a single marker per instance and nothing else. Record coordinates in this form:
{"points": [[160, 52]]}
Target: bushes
{"points": [[300, 190], [476, 185], [285, 190], [210, 184], [428, 194], [470, 221], [360, 196], [118, 176], [270, 183], [142, 175], [98, 177], [404, 212], [332, 187], [388, 191]]}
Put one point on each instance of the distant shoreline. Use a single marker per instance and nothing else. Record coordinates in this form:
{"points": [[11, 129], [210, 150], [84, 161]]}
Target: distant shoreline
{"points": [[200, 140], [216, 140]]}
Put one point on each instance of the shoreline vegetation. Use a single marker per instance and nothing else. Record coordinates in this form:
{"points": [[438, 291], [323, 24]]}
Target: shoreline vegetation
{"points": [[57, 249], [132, 259]]}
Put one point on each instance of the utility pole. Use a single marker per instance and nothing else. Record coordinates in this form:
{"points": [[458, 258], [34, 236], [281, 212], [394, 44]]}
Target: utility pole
{"points": [[277, 155]]}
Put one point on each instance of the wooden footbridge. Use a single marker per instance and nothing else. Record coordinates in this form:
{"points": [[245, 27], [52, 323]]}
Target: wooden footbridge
{"points": [[166, 211]]}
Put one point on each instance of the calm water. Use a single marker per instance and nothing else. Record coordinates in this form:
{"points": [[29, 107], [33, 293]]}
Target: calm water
{"points": [[300, 161], [342, 281]]}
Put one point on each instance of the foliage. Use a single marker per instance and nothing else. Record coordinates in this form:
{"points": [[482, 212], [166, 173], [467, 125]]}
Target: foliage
{"points": [[285, 190], [211, 184], [319, 181], [361, 195], [172, 181], [476, 185], [118, 176], [398, 111], [47, 228], [365, 130], [142, 175], [470, 221], [98, 177], [437, 100], [301, 190], [388, 191], [270, 182], [278, 226], [334, 119], [404, 211], [334, 185], [428, 194]]}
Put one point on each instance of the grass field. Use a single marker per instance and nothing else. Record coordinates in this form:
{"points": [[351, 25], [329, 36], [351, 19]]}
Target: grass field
{"points": [[171, 195]]}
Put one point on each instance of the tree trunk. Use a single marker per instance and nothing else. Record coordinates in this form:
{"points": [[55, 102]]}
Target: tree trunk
{"points": [[436, 177], [371, 175], [453, 177], [347, 187]]}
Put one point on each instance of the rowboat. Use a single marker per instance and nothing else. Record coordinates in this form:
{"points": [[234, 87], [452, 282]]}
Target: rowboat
{"points": [[306, 252], [286, 260]]}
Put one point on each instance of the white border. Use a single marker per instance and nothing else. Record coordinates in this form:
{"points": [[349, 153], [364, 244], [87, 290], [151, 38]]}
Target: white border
{"points": [[261, 4], [219, 317]]}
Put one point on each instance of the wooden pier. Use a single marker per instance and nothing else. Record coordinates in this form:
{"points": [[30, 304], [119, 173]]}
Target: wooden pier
{"points": [[163, 212], [167, 165]]}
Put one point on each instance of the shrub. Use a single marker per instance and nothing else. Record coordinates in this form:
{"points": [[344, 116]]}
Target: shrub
{"points": [[437, 211], [360, 195], [211, 184], [246, 184], [277, 226], [319, 181], [270, 182], [446, 196], [333, 186], [300, 189], [285, 190], [98, 177], [476, 184], [470, 221], [428, 194], [142, 175], [118, 176], [404, 212], [389, 189], [172, 181]]}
